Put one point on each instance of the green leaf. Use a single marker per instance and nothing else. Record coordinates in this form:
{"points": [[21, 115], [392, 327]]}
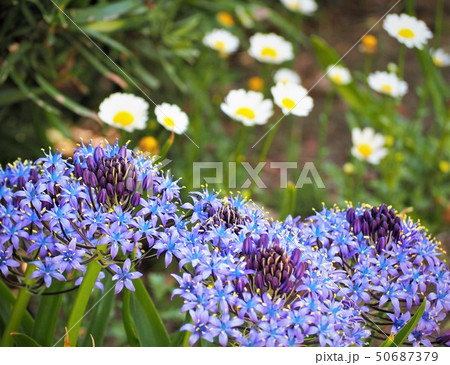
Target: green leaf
{"points": [[47, 316], [149, 326], [81, 301], [23, 340], [64, 100], [7, 300], [128, 324], [103, 11], [403, 334], [101, 314]]}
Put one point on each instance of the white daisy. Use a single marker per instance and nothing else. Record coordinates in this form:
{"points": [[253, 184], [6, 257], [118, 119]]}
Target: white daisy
{"points": [[440, 57], [306, 7], [339, 75], [292, 99], [368, 145], [124, 111], [270, 48], [222, 41], [172, 118], [407, 30], [387, 83], [285, 75], [247, 107]]}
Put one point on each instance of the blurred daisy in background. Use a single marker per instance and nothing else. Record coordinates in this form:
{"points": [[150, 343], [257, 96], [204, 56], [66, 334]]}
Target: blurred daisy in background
{"points": [[407, 30], [225, 19], [247, 107], [222, 41], [387, 83], [255, 83], [368, 145], [270, 48], [286, 75], [440, 57], [369, 44], [292, 99], [307, 7], [172, 118], [124, 111], [339, 75]]}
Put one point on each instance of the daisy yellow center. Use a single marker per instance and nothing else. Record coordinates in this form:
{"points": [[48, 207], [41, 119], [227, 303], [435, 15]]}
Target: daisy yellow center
{"points": [[386, 88], [337, 79], [245, 112], [365, 150], [168, 122], [123, 118], [406, 33], [288, 103], [219, 45], [437, 62], [269, 52]]}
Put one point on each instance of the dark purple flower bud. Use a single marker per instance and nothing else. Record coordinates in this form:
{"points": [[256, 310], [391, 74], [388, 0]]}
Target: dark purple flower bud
{"points": [[34, 176], [383, 209], [247, 246], [381, 244], [130, 184], [93, 182], [240, 285], [98, 154], [102, 182], [374, 212], [122, 152], [147, 182], [351, 216], [110, 178], [120, 189], [275, 283], [295, 256], [263, 240], [110, 189], [300, 270], [358, 225], [102, 196], [259, 280], [365, 228], [136, 199], [373, 226], [367, 215], [91, 163], [381, 232], [21, 182], [86, 177], [444, 339]]}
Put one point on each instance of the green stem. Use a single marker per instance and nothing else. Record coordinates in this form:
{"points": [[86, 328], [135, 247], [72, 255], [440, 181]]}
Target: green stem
{"points": [[19, 310], [438, 22], [10, 299], [324, 119], [47, 316], [241, 142], [268, 142], [410, 7], [81, 301], [401, 61]]}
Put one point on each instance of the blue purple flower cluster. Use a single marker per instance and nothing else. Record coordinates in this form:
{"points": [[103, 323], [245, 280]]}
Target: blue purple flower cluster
{"points": [[57, 215], [338, 278]]}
